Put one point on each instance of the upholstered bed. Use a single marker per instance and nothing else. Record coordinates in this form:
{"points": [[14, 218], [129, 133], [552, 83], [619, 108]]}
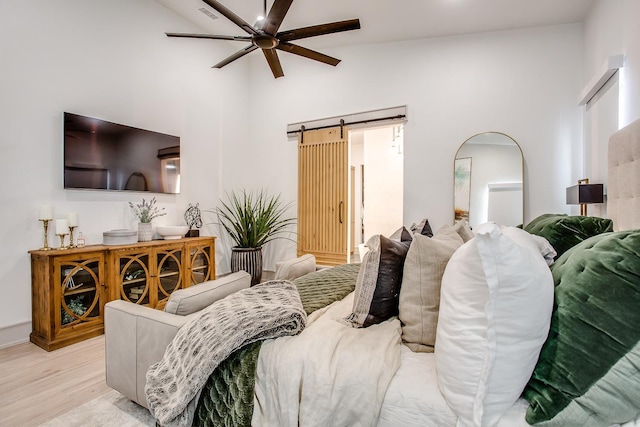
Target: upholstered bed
{"points": [[461, 328]]}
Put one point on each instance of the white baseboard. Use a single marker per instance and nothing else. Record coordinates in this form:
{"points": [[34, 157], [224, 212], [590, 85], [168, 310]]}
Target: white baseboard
{"points": [[14, 334]]}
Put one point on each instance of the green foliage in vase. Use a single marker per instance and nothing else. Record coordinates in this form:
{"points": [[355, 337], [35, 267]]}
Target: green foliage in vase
{"points": [[253, 219], [134, 275], [146, 211], [76, 307]]}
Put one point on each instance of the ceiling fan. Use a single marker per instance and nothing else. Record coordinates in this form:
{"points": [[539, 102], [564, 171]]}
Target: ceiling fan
{"points": [[264, 35]]}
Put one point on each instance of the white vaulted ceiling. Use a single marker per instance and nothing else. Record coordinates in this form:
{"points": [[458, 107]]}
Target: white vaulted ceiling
{"points": [[391, 20]]}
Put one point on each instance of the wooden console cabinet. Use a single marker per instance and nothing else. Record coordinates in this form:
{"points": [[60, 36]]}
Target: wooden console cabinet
{"points": [[71, 286]]}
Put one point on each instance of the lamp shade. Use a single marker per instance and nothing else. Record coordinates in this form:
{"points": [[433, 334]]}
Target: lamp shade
{"points": [[585, 193]]}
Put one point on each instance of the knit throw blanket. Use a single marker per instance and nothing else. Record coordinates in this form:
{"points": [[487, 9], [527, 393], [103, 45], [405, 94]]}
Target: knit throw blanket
{"points": [[268, 310], [227, 397]]}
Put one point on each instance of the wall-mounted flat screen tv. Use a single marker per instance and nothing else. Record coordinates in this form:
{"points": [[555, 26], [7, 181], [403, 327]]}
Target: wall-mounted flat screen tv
{"points": [[101, 155]]}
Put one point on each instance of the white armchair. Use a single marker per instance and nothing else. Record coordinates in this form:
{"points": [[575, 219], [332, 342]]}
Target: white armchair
{"points": [[137, 336]]}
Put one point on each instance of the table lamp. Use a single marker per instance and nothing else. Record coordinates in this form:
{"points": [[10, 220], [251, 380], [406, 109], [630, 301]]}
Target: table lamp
{"points": [[584, 194]]}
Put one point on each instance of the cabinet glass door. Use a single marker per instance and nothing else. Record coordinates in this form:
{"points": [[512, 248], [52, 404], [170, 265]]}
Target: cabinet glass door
{"points": [[169, 272], [134, 278], [200, 264], [80, 287]]}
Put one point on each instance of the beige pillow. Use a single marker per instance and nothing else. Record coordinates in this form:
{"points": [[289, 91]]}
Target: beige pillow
{"points": [[420, 292], [194, 298], [292, 269], [463, 229]]}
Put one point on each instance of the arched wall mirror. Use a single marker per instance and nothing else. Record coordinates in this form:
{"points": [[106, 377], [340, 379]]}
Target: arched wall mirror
{"points": [[489, 180]]}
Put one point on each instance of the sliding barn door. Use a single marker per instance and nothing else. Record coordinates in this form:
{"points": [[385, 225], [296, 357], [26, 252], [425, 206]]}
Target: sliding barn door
{"points": [[323, 167]]}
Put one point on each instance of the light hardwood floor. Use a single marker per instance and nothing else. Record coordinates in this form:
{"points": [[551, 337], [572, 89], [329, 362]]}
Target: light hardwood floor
{"points": [[36, 385]]}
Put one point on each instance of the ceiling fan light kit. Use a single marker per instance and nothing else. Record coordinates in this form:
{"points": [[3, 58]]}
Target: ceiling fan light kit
{"points": [[264, 35]]}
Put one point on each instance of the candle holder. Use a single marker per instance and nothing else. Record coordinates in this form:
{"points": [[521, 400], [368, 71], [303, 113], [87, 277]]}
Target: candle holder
{"points": [[46, 247], [71, 244], [62, 246]]}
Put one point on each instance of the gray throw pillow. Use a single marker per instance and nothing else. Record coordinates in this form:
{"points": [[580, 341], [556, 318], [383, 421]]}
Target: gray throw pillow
{"points": [[378, 282], [419, 302], [464, 231], [401, 235], [423, 227]]}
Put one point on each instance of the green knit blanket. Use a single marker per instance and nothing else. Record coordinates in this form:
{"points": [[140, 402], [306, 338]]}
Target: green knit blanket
{"points": [[227, 397]]}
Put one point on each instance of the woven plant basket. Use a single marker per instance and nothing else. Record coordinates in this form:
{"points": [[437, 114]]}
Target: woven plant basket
{"points": [[249, 260]]}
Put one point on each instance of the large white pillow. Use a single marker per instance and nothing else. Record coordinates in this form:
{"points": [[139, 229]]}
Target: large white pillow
{"points": [[495, 310]]}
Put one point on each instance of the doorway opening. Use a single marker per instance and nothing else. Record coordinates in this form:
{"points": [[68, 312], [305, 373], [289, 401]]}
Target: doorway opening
{"points": [[376, 184]]}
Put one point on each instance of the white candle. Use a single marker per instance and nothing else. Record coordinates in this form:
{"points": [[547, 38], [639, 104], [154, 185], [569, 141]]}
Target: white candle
{"points": [[72, 217], [46, 212], [62, 226]]}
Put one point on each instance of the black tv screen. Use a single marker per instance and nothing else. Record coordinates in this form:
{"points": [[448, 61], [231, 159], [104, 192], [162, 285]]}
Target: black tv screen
{"points": [[101, 155]]}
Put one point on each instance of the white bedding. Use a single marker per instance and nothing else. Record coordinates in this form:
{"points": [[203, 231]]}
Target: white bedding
{"points": [[335, 375], [413, 393], [330, 375], [413, 398]]}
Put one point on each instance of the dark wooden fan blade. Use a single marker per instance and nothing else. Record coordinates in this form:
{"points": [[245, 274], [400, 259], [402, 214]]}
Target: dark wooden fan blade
{"points": [[235, 56], [231, 16], [276, 16], [318, 30], [308, 53], [210, 36], [274, 62]]}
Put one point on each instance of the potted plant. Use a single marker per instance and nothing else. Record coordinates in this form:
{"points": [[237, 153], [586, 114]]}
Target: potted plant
{"points": [[252, 220], [146, 212]]}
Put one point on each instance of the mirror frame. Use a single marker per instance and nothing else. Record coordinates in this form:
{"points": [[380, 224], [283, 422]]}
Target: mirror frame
{"points": [[521, 168]]}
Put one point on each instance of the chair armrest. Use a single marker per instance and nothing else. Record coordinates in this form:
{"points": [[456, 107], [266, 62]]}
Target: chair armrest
{"points": [[135, 338], [197, 297], [294, 268]]}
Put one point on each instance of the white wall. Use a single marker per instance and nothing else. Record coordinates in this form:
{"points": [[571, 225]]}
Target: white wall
{"points": [[111, 60], [612, 28], [522, 83]]}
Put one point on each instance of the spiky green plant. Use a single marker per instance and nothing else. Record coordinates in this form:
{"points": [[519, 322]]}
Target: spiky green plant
{"points": [[253, 219]]}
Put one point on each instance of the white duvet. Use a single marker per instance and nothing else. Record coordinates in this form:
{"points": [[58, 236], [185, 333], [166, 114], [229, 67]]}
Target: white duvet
{"points": [[335, 375], [329, 375], [410, 402]]}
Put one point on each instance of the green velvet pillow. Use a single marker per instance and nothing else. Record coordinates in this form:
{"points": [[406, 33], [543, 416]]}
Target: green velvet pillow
{"points": [[564, 231], [588, 373]]}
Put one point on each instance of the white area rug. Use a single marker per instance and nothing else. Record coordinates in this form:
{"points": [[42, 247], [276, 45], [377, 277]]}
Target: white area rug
{"points": [[110, 410]]}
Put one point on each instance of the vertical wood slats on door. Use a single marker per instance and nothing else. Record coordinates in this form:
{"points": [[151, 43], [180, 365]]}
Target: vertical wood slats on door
{"points": [[323, 195]]}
